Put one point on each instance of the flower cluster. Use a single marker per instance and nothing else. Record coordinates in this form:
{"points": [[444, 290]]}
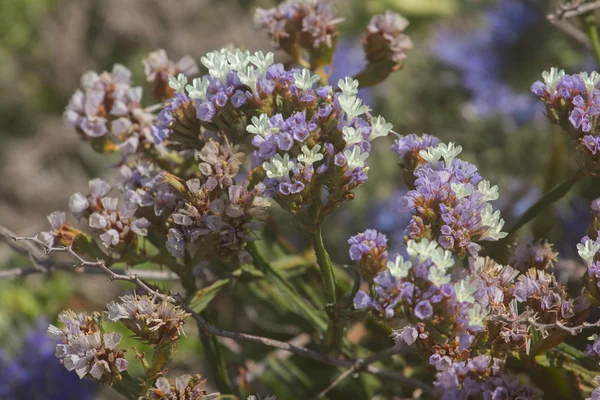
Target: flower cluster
{"points": [[481, 377], [310, 24], [450, 201], [215, 210], [533, 254], [370, 250], [84, 348], [420, 289], [589, 250], [186, 387], [322, 143], [573, 103], [116, 226], [108, 109], [385, 39], [152, 321]]}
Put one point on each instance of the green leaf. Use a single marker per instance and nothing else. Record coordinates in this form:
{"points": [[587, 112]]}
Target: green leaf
{"points": [[204, 296]]}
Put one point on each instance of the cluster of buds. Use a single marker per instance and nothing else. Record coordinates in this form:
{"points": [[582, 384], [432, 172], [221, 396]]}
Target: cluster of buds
{"points": [[84, 348], [153, 321], [370, 250], [107, 110], [385, 40], [117, 227], [481, 377], [573, 103], [533, 254], [216, 214], [186, 387], [297, 25], [449, 201]]}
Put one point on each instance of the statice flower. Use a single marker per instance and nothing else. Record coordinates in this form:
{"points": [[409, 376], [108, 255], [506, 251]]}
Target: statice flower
{"points": [[370, 250], [108, 107], [310, 24], [85, 349], [595, 395], [495, 286], [158, 69], [386, 39], [588, 251], [408, 148], [61, 232], [185, 387], [573, 103], [321, 141], [215, 213], [82, 205], [481, 377], [420, 289], [153, 321], [480, 56], [450, 202], [547, 299], [220, 164], [143, 185], [533, 254], [118, 225]]}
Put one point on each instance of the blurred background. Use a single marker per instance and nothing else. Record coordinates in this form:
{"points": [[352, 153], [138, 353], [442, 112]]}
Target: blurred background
{"points": [[467, 80]]}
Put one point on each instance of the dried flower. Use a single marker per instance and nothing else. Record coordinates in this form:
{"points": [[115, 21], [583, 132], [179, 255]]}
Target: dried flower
{"points": [[151, 320], [85, 349]]}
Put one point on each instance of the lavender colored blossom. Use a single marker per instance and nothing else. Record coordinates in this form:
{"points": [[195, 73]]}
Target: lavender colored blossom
{"points": [[482, 376], [185, 387], [370, 249], [573, 103], [119, 225], [450, 201], [153, 321], [312, 23], [108, 104], [530, 254], [83, 348], [386, 39]]}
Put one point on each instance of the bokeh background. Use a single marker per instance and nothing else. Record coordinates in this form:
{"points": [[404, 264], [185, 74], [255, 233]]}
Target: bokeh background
{"points": [[467, 80]]}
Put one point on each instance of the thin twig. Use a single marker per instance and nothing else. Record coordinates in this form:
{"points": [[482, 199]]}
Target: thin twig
{"points": [[14, 273], [573, 11]]}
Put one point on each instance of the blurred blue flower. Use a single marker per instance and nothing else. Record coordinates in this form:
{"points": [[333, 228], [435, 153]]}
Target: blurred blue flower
{"points": [[34, 373], [479, 56]]}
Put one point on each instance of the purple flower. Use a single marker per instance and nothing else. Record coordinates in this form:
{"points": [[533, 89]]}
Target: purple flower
{"points": [[423, 309]]}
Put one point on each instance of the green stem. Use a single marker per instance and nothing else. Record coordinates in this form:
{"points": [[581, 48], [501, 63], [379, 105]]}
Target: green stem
{"points": [[551, 197], [128, 387], [210, 344], [325, 266], [285, 286], [335, 329], [592, 31]]}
